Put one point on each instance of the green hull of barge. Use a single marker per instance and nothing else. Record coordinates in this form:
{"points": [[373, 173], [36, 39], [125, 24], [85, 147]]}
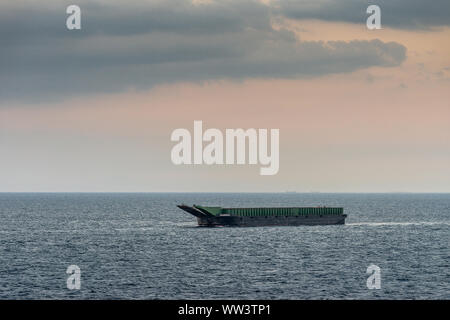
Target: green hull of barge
{"points": [[289, 216]]}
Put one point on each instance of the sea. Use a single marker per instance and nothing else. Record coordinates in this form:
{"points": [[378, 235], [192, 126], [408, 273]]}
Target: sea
{"points": [[141, 246]]}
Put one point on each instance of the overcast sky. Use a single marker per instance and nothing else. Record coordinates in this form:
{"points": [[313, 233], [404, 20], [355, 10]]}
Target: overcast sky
{"points": [[93, 109]]}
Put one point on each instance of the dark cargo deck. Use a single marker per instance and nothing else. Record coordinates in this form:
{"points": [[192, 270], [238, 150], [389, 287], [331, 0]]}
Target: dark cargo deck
{"points": [[253, 217]]}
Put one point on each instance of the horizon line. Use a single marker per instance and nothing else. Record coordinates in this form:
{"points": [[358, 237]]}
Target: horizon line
{"points": [[249, 192]]}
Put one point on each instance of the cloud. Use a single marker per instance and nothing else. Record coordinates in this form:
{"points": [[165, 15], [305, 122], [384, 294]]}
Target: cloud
{"points": [[404, 14], [138, 45]]}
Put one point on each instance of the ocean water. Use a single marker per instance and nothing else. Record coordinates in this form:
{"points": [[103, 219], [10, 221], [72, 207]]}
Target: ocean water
{"points": [[141, 246]]}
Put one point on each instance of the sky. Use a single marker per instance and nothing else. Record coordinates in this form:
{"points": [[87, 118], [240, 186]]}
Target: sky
{"points": [[92, 110]]}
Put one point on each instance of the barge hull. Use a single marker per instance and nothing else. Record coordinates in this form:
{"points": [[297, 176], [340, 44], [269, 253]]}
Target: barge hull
{"points": [[235, 221]]}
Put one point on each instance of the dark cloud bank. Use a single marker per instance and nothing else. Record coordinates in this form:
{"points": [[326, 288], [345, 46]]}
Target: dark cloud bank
{"points": [[129, 44], [403, 14]]}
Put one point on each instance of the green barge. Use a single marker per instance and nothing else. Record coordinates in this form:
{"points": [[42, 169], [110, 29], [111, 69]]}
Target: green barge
{"points": [[271, 216]]}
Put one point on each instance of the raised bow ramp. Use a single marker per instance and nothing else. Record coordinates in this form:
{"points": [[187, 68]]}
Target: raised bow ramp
{"points": [[254, 217]]}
